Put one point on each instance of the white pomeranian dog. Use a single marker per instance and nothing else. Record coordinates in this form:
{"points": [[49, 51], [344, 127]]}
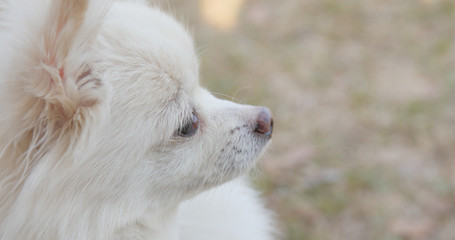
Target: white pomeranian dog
{"points": [[105, 132]]}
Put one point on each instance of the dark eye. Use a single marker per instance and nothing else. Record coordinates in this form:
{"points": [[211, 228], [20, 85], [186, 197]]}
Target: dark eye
{"points": [[190, 127]]}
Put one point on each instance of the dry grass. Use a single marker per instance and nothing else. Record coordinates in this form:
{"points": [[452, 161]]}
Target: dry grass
{"points": [[363, 97]]}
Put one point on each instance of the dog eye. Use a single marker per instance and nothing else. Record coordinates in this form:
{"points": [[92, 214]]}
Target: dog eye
{"points": [[190, 127]]}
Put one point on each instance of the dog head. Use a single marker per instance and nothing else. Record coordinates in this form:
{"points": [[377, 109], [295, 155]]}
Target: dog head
{"points": [[103, 104], [187, 138]]}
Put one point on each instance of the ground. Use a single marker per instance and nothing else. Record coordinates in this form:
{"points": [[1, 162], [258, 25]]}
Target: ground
{"points": [[363, 96]]}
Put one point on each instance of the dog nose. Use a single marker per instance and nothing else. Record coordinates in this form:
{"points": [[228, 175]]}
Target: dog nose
{"points": [[264, 122]]}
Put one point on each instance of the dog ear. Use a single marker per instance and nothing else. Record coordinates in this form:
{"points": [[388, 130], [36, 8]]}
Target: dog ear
{"points": [[49, 88], [67, 83]]}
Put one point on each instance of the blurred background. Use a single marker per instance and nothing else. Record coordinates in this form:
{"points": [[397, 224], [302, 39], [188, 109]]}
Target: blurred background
{"points": [[363, 95]]}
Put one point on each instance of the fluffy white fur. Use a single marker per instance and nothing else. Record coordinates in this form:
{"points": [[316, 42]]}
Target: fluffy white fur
{"points": [[92, 95]]}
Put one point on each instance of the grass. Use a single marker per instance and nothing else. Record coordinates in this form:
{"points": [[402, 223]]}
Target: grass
{"points": [[363, 97]]}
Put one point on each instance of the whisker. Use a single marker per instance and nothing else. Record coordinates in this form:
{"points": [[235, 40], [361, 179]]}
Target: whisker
{"points": [[226, 96], [238, 91]]}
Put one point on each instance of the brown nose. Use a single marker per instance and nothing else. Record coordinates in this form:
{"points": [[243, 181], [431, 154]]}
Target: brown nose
{"points": [[264, 122]]}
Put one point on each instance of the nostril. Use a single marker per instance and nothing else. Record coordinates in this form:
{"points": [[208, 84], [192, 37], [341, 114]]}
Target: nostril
{"points": [[264, 122]]}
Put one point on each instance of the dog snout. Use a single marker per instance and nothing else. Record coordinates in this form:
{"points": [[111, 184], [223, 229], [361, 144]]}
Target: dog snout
{"points": [[264, 122]]}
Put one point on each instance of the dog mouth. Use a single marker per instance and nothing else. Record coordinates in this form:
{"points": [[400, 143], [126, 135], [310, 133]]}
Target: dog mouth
{"points": [[246, 143]]}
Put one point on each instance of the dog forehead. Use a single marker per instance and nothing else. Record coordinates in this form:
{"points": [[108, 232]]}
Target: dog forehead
{"points": [[149, 44]]}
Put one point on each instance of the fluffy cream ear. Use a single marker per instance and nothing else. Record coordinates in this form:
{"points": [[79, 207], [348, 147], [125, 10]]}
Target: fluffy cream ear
{"points": [[64, 22], [49, 88], [67, 83]]}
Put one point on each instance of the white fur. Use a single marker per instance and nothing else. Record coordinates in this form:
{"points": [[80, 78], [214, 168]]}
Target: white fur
{"points": [[92, 97]]}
